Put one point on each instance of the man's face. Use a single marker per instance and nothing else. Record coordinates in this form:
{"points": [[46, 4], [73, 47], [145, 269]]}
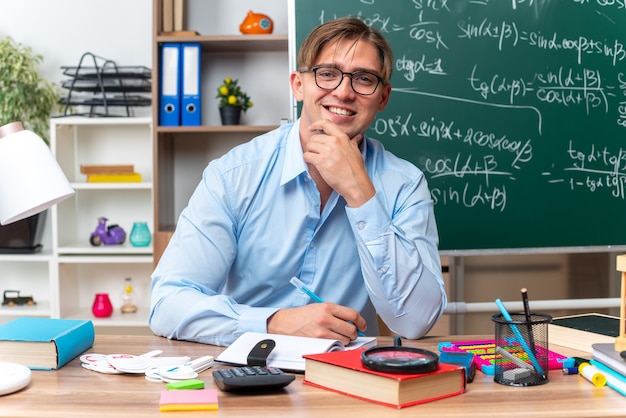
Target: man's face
{"points": [[352, 112]]}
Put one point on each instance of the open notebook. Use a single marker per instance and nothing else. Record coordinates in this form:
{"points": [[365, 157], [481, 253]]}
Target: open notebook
{"points": [[287, 354]]}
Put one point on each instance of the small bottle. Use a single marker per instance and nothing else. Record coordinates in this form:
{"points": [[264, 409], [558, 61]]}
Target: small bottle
{"points": [[127, 297], [140, 235], [102, 307]]}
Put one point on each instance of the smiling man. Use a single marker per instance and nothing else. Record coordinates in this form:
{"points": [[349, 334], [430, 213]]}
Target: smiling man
{"points": [[315, 199]]}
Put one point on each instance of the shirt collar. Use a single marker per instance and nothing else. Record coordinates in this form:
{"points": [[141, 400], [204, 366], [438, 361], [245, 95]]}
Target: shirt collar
{"points": [[294, 162]]}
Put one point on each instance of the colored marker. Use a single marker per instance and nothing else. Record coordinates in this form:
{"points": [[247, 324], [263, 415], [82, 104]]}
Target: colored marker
{"points": [[531, 337], [592, 374], [301, 287]]}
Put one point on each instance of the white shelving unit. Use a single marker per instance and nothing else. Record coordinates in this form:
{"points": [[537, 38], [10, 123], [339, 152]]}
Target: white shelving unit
{"points": [[64, 278]]}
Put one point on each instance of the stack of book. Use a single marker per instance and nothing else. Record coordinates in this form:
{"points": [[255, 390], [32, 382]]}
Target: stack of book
{"points": [[344, 373], [110, 173], [612, 364], [173, 19], [595, 334]]}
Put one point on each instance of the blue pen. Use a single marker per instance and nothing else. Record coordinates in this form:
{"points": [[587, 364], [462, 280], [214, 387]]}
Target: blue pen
{"points": [[518, 335], [301, 287]]}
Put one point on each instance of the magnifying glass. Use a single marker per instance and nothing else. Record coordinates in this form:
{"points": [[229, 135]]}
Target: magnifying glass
{"points": [[401, 360]]}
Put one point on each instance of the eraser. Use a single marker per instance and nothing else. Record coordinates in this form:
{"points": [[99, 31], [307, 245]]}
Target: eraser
{"points": [[516, 374], [186, 384]]}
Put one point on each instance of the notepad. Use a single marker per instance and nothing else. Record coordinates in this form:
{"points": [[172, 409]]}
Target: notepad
{"points": [[287, 354], [189, 400]]}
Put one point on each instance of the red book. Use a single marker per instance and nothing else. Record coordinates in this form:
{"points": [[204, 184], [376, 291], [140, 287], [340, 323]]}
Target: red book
{"points": [[343, 372]]}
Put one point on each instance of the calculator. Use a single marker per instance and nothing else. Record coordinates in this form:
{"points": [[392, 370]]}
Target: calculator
{"points": [[251, 378]]}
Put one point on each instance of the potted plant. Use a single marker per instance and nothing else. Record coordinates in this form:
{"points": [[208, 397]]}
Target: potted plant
{"points": [[30, 99], [232, 101]]}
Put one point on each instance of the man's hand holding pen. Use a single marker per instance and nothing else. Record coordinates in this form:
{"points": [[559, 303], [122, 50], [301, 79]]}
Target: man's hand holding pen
{"points": [[318, 320]]}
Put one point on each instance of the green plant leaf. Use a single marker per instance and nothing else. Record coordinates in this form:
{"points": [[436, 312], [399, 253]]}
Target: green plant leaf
{"points": [[24, 95], [229, 88]]}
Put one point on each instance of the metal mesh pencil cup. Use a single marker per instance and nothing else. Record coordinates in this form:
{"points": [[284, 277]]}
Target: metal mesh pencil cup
{"points": [[521, 349]]}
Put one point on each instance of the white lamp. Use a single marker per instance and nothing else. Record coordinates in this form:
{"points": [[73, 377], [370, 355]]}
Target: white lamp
{"points": [[30, 182], [30, 178]]}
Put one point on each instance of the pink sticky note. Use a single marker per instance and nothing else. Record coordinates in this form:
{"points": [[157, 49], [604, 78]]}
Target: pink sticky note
{"points": [[178, 400]]}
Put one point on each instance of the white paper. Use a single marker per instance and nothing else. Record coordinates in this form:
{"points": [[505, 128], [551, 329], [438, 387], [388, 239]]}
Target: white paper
{"points": [[287, 354]]}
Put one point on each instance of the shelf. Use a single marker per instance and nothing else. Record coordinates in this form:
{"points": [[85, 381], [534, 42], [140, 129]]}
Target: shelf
{"points": [[83, 120], [124, 253], [44, 256], [76, 270], [261, 62], [256, 129], [233, 43], [41, 309], [112, 186], [118, 319]]}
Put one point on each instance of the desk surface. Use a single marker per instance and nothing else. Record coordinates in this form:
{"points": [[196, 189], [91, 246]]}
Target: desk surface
{"points": [[76, 392]]}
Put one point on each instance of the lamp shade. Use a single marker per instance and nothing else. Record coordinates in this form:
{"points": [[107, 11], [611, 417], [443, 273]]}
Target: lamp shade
{"points": [[30, 178]]}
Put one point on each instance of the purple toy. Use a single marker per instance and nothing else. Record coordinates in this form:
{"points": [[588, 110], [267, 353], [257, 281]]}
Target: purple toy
{"points": [[107, 235]]}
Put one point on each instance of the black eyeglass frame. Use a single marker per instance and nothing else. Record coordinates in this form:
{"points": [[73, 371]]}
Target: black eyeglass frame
{"points": [[343, 74]]}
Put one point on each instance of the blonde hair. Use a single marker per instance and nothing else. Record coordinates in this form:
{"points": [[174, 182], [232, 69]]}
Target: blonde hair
{"points": [[347, 28]]}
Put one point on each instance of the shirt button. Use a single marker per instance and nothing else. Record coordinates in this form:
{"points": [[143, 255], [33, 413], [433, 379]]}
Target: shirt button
{"points": [[361, 225], [312, 245], [384, 269]]}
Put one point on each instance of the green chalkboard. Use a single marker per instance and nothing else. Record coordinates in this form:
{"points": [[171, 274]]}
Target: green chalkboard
{"points": [[514, 109]]}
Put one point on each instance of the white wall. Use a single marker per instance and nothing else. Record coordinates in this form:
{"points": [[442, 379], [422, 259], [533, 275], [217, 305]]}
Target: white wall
{"points": [[63, 30], [121, 30]]}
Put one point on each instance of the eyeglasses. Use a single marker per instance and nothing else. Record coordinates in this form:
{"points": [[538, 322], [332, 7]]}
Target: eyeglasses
{"points": [[329, 78]]}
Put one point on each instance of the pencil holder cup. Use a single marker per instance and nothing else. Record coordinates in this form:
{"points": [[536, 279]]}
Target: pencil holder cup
{"points": [[521, 349]]}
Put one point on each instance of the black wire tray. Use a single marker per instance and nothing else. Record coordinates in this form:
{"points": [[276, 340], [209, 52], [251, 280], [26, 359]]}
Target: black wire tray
{"points": [[108, 85], [110, 70], [108, 101], [103, 83]]}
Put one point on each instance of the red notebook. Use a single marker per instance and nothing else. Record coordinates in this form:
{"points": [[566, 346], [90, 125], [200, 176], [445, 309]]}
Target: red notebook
{"points": [[343, 372]]}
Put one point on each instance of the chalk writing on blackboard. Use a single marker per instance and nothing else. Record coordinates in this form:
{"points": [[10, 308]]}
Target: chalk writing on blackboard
{"points": [[515, 110]]}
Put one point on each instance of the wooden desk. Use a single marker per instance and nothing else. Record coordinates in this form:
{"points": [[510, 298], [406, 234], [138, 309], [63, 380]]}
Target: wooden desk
{"points": [[76, 392]]}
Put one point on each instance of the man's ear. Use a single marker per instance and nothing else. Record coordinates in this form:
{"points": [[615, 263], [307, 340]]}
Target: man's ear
{"points": [[384, 99], [295, 80]]}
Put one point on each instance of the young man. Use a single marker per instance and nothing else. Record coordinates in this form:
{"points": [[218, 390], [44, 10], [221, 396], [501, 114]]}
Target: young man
{"points": [[315, 199]]}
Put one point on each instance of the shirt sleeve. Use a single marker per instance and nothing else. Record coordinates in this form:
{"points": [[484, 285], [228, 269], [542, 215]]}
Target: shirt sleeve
{"points": [[185, 299], [399, 259]]}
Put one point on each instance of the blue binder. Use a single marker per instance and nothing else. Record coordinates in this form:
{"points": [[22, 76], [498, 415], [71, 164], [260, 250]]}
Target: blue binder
{"points": [[191, 101], [170, 100]]}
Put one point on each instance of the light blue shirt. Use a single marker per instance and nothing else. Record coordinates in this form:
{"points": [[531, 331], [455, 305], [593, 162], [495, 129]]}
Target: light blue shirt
{"points": [[254, 222]]}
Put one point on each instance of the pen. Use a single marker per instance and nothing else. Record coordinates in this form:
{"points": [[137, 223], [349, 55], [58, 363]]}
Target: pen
{"points": [[518, 335], [301, 287], [531, 338]]}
